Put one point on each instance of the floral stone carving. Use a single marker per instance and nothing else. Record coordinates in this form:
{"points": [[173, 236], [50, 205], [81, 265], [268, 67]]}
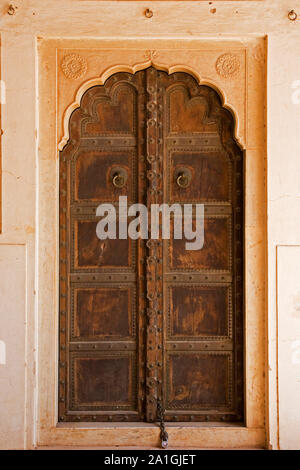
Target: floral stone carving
{"points": [[228, 65], [74, 66]]}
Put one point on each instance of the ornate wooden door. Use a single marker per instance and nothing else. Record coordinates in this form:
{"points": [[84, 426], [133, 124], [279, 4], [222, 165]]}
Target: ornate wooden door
{"points": [[147, 322]]}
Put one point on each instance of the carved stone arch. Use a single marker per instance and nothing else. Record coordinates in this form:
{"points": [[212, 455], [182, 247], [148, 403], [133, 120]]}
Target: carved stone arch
{"points": [[139, 67]]}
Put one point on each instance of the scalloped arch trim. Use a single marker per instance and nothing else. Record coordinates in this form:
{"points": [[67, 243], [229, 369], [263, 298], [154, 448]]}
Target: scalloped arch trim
{"points": [[136, 68]]}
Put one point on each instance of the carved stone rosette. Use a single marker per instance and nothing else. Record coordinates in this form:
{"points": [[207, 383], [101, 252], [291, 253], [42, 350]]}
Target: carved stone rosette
{"points": [[74, 66], [228, 65]]}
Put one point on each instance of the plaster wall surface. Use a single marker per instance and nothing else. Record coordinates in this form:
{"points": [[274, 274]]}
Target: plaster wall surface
{"points": [[20, 260], [288, 259]]}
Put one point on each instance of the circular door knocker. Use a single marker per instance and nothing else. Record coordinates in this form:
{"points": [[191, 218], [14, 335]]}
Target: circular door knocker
{"points": [[118, 177], [183, 177]]}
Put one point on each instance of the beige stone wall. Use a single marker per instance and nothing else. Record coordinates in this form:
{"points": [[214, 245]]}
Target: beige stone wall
{"points": [[29, 175]]}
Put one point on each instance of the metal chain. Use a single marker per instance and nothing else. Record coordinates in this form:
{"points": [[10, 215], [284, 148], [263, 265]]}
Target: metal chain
{"points": [[160, 417]]}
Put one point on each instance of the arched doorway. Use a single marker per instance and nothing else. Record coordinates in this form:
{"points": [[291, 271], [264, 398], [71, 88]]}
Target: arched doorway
{"points": [[146, 324]]}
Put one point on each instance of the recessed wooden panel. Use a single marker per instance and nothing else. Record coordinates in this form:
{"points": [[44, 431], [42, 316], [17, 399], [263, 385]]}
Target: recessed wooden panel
{"points": [[199, 311], [188, 113], [210, 176], [114, 114], [215, 254], [91, 252], [94, 173], [103, 312], [102, 381], [198, 380]]}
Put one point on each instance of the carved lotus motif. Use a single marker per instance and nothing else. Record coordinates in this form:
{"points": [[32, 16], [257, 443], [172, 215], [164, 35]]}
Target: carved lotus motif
{"points": [[74, 66], [228, 65]]}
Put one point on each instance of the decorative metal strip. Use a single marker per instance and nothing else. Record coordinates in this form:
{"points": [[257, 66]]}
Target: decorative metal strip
{"points": [[102, 277], [199, 345], [107, 142], [102, 346], [63, 288], [154, 254], [208, 141], [194, 277], [90, 209]]}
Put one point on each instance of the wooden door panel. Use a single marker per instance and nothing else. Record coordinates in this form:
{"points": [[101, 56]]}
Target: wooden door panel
{"points": [[199, 380], [102, 381], [187, 111], [149, 322], [209, 172], [94, 171], [203, 289], [104, 312], [101, 326], [90, 253], [111, 109], [197, 311], [215, 254]]}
